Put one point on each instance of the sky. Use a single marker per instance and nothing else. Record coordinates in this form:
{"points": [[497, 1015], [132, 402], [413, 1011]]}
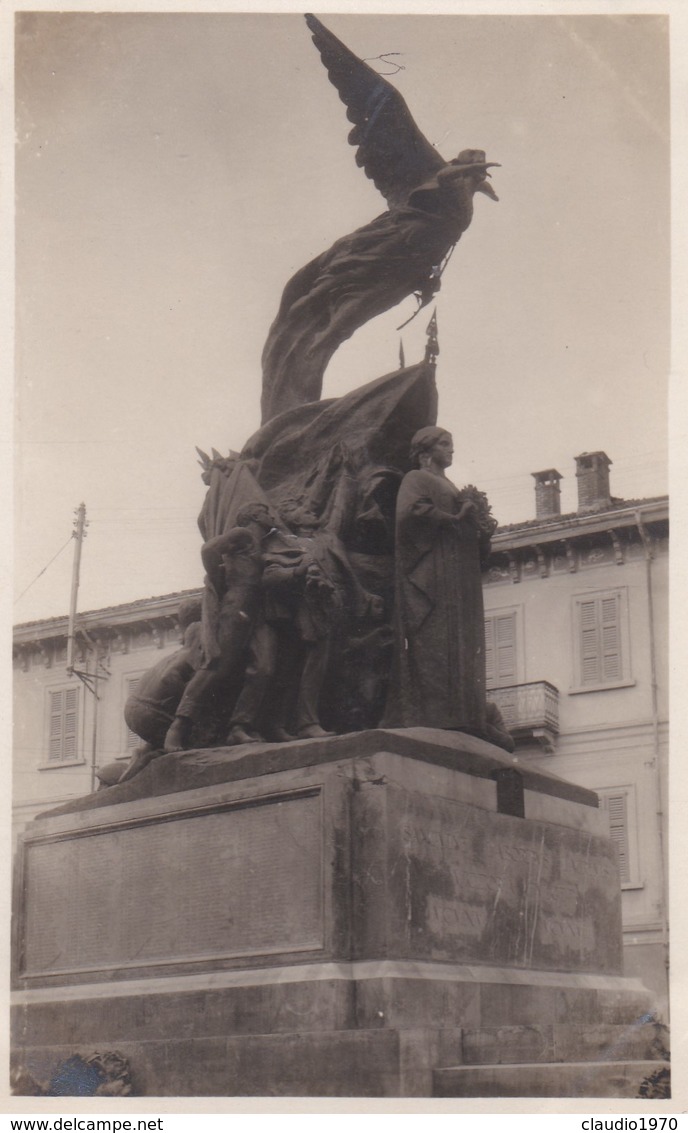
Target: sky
{"points": [[174, 170]]}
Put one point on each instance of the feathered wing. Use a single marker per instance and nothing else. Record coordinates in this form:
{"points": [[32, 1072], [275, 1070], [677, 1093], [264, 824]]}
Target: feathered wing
{"points": [[391, 149]]}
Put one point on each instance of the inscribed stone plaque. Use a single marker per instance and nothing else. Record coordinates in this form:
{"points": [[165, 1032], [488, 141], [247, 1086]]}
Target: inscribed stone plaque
{"points": [[475, 886], [241, 880]]}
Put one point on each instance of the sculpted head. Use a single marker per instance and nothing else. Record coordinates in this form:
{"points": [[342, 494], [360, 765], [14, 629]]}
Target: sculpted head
{"points": [[473, 162], [189, 611], [432, 444], [299, 517], [258, 513]]}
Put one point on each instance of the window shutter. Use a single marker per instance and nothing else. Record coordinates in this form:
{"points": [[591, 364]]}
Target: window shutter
{"points": [[70, 721], [616, 807], [55, 737], [63, 727], [590, 646], [611, 657], [489, 652], [500, 649], [132, 740], [506, 646], [600, 643]]}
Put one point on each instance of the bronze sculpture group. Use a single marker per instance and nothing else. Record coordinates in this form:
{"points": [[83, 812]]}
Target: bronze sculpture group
{"points": [[343, 568]]}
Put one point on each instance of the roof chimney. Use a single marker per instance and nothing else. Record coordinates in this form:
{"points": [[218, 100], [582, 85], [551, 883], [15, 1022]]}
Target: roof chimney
{"points": [[592, 473], [547, 493]]}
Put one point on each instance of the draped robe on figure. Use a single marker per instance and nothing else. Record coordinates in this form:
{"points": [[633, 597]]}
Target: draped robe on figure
{"points": [[439, 670]]}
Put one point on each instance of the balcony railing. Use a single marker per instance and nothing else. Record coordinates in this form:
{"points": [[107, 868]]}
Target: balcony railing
{"points": [[530, 712]]}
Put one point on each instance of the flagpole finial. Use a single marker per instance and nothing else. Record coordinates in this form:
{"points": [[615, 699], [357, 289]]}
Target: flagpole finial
{"points": [[432, 347]]}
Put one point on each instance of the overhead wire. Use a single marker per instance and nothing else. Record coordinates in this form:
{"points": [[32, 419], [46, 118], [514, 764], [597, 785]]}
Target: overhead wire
{"points": [[62, 548]]}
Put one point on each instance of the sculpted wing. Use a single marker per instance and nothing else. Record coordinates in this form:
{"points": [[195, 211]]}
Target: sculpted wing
{"points": [[391, 149]]}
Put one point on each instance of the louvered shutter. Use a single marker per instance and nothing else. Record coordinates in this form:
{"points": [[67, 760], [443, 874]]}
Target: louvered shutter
{"points": [[609, 635], [617, 807], [500, 649], [600, 644], [505, 633], [55, 736], [70, 723], [590, 645], [132, 740], [64, 718]]}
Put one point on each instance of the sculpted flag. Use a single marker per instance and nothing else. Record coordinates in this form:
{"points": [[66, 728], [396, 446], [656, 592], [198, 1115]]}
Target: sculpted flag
{"points": [[334, 452], [232, 485], [399, 254]]}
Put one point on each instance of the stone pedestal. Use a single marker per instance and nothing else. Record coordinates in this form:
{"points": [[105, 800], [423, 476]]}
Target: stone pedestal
{"points": [[367, 915]]}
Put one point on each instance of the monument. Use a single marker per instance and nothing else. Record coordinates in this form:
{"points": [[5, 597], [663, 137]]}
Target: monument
{"points": [[324, 872]]}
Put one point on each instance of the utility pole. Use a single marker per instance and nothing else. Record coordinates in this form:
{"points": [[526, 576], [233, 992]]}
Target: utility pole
{"points": [[88, 679], [79, 535]]}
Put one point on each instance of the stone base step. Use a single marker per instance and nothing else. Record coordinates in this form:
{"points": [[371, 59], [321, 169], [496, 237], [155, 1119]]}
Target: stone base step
{"points": [[566, 1042], [631, 1079], [383, 1062]]}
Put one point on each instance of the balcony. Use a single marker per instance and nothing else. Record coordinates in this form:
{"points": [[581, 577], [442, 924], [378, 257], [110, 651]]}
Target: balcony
{"points": [[530, 711]]}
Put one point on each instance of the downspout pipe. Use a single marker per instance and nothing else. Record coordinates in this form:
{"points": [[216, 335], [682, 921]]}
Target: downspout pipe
{"points": [[658, 776]]}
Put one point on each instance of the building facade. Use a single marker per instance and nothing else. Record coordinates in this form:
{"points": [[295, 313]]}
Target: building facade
{"points": [[67, 726], [576, 624], [577, 654]]}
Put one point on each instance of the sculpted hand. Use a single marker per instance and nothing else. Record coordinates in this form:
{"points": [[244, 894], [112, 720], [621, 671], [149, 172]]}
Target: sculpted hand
{"points": [[468, 509]]}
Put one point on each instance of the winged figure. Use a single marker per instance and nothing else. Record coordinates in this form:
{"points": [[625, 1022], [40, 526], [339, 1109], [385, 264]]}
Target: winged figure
{"points": [[400, 253]]}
